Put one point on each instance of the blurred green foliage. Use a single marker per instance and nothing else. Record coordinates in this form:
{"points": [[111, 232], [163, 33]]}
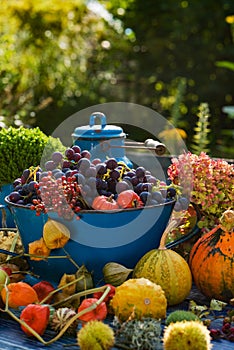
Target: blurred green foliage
{"points": [[59, 57]]}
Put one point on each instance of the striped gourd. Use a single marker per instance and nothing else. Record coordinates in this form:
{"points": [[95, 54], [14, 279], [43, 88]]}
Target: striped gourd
{"points": [[168, 269]]}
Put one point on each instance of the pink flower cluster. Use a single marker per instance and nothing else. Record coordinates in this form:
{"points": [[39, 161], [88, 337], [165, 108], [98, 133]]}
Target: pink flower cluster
{"points": [[208, 182]]}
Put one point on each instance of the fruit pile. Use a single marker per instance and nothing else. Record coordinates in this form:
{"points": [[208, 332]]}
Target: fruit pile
{"points": [[73, 182]]}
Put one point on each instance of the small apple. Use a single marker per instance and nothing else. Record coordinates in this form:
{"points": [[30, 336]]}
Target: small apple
{"points": [[4, 279]]}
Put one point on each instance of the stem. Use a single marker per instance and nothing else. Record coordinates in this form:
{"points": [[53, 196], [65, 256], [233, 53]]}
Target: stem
{"points": [[13, 245], [173, 223], [71, 260], [79, 294]]}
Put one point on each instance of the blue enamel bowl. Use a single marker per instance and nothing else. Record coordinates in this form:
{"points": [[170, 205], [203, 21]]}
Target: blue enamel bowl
{"points": [[96, 238]]}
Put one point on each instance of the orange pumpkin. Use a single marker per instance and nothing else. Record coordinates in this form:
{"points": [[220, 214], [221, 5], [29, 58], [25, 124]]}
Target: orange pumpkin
{"points": [[212, 264], [19, 294], [104, 203]]}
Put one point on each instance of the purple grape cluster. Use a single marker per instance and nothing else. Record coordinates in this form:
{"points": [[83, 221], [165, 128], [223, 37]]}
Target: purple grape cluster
{"points": [[78, 179]]}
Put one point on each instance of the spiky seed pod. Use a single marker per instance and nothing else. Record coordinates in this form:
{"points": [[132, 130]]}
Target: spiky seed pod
{"points": [[115, 274], [96, 335], [60, 317], [187, 335], [181, 315], [139, 334]]}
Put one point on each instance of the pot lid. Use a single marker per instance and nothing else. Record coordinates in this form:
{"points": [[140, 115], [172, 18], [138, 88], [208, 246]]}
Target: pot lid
{"points": [[99, 130]]}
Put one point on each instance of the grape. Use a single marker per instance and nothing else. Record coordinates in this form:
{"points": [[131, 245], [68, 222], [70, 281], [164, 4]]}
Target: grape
{"points": [[17, 188], [157, 195], [101, 184], [101, 168], [91, 181], [152, 179], [128, 180], [111, 163], [66, 164], [105, 193], [69, 153], [84, 164], [17, 182], [91, 171], [86, 190], [20, 202], [114, 174], [80, 179], [43, 174], [38, 173], [122, 186], [26, 173], [130, 173], [76, 157], [85, 154], [31, 186], [177, 206], [50, 165], [111, 185], [164, 192], [135, 180], [171, 192], [146, 187], [68, 173], [57, 157], [14, 197], [145, 196], [54, 171], [58, 174], [184, 203], [25, 189], [76, 149], [153, 202], [140, 172], [138, 188]]}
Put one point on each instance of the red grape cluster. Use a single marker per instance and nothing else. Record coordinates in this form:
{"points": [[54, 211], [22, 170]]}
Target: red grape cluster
{"points": [[226, 331], [69, 183]]}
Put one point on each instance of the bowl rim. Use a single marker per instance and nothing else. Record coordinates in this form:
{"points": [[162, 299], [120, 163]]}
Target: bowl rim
{"points": [[92, 211]]}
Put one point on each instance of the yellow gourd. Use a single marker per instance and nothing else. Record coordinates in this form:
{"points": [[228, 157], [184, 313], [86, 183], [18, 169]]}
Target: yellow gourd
{"points": [[137, 298]]}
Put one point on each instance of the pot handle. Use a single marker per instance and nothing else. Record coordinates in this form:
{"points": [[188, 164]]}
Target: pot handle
{"points": [[100, 116], [3, 210], [194, 231]]}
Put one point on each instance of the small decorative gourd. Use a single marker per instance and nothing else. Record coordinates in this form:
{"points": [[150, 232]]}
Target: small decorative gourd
{"points": [[212, 260], [137, 298], [168, 269], [104, 203]]}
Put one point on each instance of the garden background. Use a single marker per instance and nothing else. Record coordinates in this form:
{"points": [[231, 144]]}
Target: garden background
{"points": [[59, 57]]}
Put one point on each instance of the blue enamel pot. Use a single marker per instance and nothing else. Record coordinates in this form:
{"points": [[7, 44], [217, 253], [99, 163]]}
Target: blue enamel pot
{"points": [[96, 238]]}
